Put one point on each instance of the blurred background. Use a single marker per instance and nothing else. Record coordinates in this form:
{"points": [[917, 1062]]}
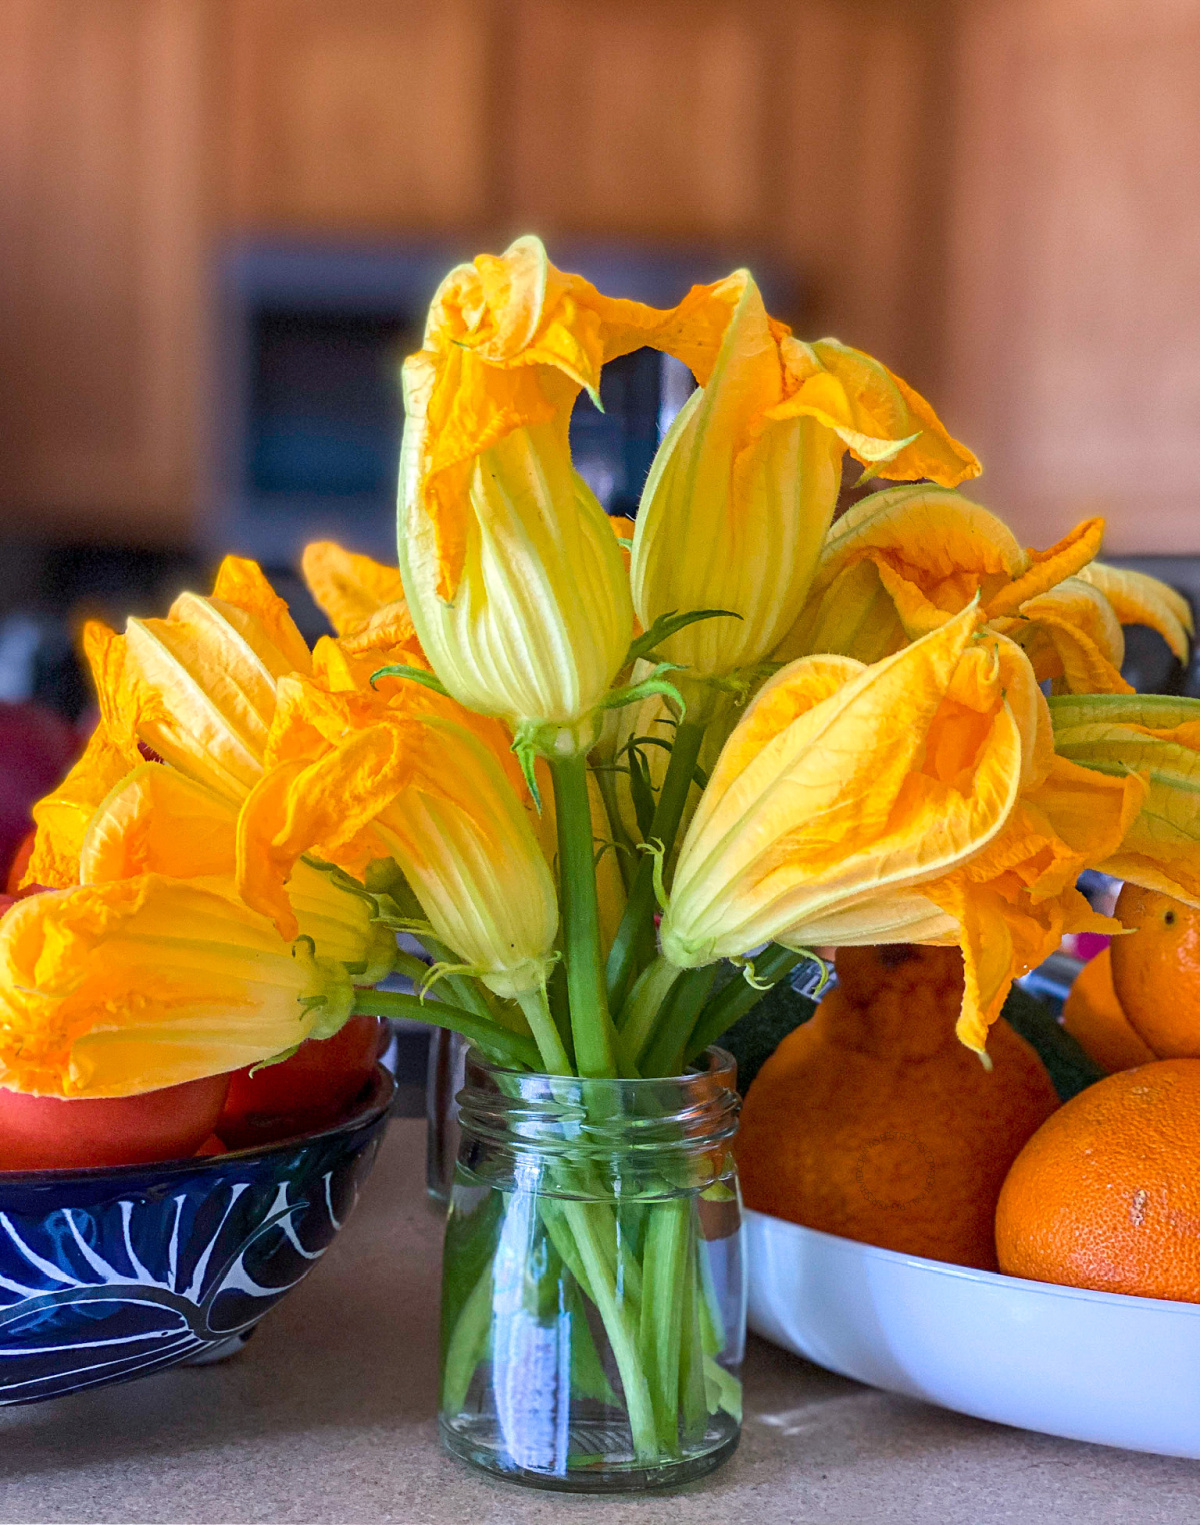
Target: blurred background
{"points": [[220, 222]]}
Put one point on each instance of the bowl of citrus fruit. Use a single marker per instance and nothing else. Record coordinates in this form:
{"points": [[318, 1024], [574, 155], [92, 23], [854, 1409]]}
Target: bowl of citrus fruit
{"points": [[1019, 1242]]}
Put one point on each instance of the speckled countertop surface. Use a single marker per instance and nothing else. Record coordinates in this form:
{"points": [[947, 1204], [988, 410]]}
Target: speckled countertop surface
{"points": [[328, 1416]]}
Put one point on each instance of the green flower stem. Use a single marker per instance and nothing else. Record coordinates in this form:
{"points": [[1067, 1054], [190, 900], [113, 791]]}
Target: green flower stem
{"points": [[536, 1007], [739, 997], [669, 1043], [467, 1343], [500, 1045], [633, 945], [693, 1397], [469, 993], [603, 1290], [591, 1024], [648, 998], [606, 780], [660, 1334]]}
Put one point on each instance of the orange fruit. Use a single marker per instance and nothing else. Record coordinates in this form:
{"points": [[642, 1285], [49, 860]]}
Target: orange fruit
{"points": [[1106, 1194], [1094, 1018], [872, 1121], [1156, 971]]}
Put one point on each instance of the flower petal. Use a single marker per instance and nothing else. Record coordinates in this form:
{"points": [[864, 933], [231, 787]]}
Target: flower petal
{"points": [[880, 412], [1072, 634], [1157, 737], [62, 817], [155, 820], [932, 551], [1048, 568], [348, 588], [1138, 599]]}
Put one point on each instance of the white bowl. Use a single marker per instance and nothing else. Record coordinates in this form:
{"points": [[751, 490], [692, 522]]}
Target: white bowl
{"points": [[1121, 1371]]}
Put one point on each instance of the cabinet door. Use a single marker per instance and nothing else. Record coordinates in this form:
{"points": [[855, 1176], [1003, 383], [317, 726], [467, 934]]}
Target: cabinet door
{"points": [[806, 132], [639, 117], [1076, 266], [360, 115], [100, 226]]}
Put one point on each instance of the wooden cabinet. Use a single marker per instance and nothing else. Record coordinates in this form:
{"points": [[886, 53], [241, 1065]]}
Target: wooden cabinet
{"points": [[102, 207], [999, 197], [360, 115], [135, 135], [798, 130], [641, 118], [1074, 354]]}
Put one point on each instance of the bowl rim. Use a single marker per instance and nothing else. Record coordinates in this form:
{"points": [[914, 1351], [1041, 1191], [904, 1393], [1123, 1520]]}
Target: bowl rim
{"points": [[374, 1105], [991, 1280]]}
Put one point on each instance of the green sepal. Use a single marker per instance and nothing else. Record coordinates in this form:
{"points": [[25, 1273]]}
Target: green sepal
{"points": [[740, 683], [658, 852], [417, 674], [634, 693], [667, 625], [525, 750], [641, 791], [266, 1064]]}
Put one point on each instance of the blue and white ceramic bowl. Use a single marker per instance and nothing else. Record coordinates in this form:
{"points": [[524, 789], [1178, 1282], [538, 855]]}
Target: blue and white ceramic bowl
{"points": [[111, 1273]]}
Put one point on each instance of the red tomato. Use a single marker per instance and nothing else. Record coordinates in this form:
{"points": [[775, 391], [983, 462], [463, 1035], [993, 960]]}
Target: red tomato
{"points": [[310, 1090], [44, 1133]]}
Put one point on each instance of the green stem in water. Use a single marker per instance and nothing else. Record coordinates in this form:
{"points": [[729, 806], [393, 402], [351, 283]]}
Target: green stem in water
{"points": [[739, 997], [467, 1343], [693, 1397], [591, 1024], [633, 945], [614, 1312], [512, 1049], [536, 1007], [661, 1325]]}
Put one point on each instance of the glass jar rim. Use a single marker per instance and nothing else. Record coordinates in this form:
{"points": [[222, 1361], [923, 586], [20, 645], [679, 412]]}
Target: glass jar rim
{"points": [[720, 1063], [532, 1111]]}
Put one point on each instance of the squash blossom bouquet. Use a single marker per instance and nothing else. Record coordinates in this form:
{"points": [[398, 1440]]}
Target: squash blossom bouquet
{"points": [[615, 779]]}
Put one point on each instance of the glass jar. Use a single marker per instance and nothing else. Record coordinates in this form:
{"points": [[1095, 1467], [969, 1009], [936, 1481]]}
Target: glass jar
{"points": [[445, 1078], [593, 1295]]}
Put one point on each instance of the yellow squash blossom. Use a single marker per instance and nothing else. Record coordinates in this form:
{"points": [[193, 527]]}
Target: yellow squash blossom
{"points": [[1009, 905], [198, 687], [742, 491], [899, 562], [137, 984], [842, 787], [512, 574], [352, 778], [1155, 737], [1016, 823], [157, 821], [895, 565]]}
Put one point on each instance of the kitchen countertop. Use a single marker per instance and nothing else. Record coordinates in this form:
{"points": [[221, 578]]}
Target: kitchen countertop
{"points": [[328, 1416]]}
